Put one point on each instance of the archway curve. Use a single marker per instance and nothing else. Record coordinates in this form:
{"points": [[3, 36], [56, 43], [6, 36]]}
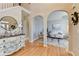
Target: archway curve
{"points": [[57, 16], [37, 26], [36, 16], [57, 10]]}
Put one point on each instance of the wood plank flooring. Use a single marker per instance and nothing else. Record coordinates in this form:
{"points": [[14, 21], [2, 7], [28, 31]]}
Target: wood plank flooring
{"points": [[37, 49]]}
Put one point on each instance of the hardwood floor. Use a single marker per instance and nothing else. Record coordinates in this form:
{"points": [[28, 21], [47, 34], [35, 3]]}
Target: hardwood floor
{"points": [[37, 49]]}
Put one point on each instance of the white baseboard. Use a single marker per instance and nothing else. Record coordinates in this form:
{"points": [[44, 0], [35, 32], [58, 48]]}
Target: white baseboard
{"points": [[33, 40]]}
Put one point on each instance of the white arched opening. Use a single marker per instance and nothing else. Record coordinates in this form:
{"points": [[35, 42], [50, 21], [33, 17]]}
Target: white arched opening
{"points": [[57, 27], [37, 27]]}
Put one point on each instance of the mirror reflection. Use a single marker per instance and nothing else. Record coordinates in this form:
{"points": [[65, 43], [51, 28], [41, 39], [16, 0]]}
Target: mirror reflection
{"points": [[8, 23]]}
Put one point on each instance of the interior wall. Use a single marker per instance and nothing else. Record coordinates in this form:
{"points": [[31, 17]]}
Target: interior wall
{"points": [[62, 26], [74, 35], [25, 25], [26, 6], [5, 5]]}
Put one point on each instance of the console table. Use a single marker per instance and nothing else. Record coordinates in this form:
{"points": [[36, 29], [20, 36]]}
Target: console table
{"points": [[58, 38]]}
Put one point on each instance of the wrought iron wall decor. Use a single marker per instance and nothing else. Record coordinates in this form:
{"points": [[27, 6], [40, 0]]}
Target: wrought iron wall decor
{"points": [[19, 4], [75, 18], [75, 15]]}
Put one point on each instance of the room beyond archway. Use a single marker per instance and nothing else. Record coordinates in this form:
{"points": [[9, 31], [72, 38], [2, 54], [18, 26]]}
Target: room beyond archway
{"points": [[38, 28], [57, 28]]}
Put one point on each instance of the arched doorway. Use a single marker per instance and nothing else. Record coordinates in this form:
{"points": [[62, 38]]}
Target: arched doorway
{"points": [[38, 28], [57, 28]]}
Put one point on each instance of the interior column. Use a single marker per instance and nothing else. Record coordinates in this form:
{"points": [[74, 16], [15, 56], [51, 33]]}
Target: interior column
{"points": [[45, 31]]}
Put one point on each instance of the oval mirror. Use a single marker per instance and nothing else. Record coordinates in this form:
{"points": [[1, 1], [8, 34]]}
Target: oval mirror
{"points": [[8, 23]]}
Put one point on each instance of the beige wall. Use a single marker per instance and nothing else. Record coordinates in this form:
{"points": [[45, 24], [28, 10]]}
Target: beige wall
{"points": [[74, 32], [45, 9], [5, 5], [26, 5]]}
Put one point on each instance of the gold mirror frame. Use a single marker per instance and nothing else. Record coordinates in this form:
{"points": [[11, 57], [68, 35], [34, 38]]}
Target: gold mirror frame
{"points": [[9, 22]]}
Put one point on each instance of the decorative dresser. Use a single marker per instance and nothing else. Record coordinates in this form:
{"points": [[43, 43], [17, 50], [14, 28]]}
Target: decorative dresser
{"points": [[11, 44], [12, 35]]}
